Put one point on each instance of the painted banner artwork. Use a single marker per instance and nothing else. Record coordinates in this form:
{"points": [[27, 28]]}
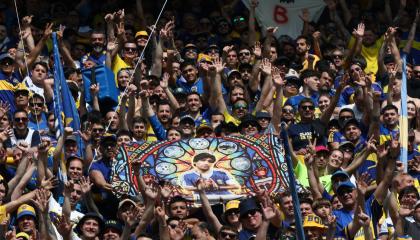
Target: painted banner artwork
{"points": [[236, 166]]}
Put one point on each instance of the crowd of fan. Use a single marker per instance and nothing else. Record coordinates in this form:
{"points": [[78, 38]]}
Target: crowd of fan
{"points": [[210, 71]]}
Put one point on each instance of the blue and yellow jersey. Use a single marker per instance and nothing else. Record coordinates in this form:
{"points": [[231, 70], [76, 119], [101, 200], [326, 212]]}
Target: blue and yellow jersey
{"points": [[386, 134], [7, 88]]}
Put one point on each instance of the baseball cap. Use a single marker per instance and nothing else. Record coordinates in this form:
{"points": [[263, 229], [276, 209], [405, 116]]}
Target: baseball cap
{"points": [[25, 210], [6, 56], [351, 121], [21, 87], [141, 34], [111, 223], [246, 205], [343, 185], [312, 220], [340, 173], [234, 71], [262, 114], [232, 204], [346, 145], [321, 148], [71, 138], [190, 45], [126, 201], [187, 118]]}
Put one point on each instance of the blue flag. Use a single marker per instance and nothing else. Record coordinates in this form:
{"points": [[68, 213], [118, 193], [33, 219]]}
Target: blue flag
{"points": [[64, 105]]}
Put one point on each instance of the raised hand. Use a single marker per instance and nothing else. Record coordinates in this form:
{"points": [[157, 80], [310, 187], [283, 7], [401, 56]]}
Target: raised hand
{"points": [[364, 219], [257, 50], [217, 65], [179, 231], [85, 184], [49, 183], [94, 89], [86, 134], [68, 188], [26, 21], [4, 107], [111, 46], [305, 15], [271, 31], [63, 225], [371, 145], [48, 30], [11, 235], [119, 16], [166, 190], [265, 67], [160, 214], [278, 81], [42, 200], [68, 131], [362, 183], [152, 192], [109, 17], [359, 32], [133, 216], [228, 48], [164, 82]]}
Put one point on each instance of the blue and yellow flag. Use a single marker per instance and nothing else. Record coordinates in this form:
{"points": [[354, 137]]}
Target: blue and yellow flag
{"points": [[64, 105], [403, 117]]}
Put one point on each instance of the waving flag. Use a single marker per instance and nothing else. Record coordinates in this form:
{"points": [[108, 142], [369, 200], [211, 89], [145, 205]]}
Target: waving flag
{"points": [[64, 105]]}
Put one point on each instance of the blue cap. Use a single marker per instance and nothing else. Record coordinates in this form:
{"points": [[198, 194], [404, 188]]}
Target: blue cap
{"points": [[340, 173], [346, 184], [247, 205]]}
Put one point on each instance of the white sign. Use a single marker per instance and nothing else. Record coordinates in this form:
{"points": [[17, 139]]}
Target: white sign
{"points": [[285, 14]]}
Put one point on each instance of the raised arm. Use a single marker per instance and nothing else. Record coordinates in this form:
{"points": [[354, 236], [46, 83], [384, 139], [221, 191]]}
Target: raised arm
{"points": [[278, 83], [140, 14], [315, 185], [346, 12], [358, 35], [326, 115], [265, 69], [156, 68], [33, 55], [208, 212], [216, 101], [254, 83], [252, 33], [164, 84]]}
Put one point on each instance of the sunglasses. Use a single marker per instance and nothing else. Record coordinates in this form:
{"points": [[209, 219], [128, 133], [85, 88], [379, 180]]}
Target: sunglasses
{"points": [[231, 213], [251, 213], [36, 104], [344, 192], [338, 56], [128, 49], [22, 119], [240, 19], [98, 130], [308, 107], [288, 110], [228, 235], [240, 106]]}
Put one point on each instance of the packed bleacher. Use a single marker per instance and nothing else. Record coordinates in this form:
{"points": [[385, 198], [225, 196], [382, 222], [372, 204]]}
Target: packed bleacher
{"points": [[217, 119]]}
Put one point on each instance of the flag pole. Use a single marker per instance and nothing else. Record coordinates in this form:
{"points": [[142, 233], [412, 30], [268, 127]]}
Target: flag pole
{"points": [[292, 183]]}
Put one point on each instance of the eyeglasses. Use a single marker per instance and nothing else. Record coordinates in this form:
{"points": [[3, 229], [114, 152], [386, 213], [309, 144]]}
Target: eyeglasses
{"points": [[228, 235], [308, 107], [22, 119], [244, 53], [129, 49]]}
